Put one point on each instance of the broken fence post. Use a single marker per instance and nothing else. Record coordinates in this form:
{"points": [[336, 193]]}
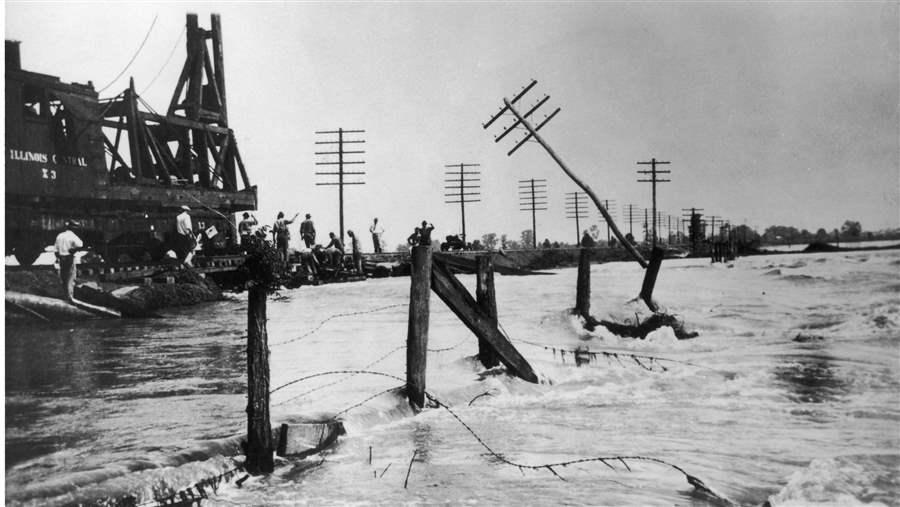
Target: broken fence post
{"points": [[417, 333], [486, 297], [650, 274], [583, 287], [259, 429]]}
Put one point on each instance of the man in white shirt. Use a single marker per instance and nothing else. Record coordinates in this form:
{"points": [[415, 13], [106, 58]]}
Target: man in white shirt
{"points": [[67, 243], [185, 236], [376, 231]]}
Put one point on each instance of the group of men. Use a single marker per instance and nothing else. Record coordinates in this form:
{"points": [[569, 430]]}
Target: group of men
{"points": [[311, 254]]}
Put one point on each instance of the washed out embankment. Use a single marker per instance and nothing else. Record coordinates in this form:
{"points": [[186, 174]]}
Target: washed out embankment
{"points": [[36, 295]]}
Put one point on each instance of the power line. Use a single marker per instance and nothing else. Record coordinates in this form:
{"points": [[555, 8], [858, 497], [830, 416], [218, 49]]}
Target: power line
{"points": [[171, 53], [340, 163], [462, 189], [653, 172], [533, 197], [136, 53]]}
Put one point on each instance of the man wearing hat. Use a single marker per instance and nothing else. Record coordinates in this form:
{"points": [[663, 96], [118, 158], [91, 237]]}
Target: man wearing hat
{"points": [[308, 231], [185, 236], [67, 243]]}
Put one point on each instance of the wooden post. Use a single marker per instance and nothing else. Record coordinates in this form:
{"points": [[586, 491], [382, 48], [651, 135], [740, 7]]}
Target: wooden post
{"points": [[650, 274], [583, 288], [259, 429], [417, 334], [487, 302]]}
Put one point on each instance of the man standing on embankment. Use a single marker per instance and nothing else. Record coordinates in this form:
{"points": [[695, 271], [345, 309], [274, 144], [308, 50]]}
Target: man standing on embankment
{"points": [[67, 243]]}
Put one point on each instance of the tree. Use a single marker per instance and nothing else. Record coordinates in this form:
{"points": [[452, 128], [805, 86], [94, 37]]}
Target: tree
{"points": [[546, 243], [746, 236], [476, 245], [527, 238], [822, 235], [851, 230], [503, 241], [489, 240]]}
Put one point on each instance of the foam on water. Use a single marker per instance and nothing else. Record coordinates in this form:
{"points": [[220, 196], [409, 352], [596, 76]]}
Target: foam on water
{"points": [[791, 393]]}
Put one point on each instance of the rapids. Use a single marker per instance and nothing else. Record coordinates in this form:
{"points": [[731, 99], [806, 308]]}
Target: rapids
{"points": [[790, 394]]}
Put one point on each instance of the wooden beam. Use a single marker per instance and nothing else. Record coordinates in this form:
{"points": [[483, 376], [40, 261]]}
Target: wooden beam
{"points": [[163, 156], [219, 61], [583, 285], [211, 78], [237, 156], [181, 121], [417, 332], [154, 150], [486, 298], [134, 147], [179, 87], [115, 153], [454, 294], [656, 258]]}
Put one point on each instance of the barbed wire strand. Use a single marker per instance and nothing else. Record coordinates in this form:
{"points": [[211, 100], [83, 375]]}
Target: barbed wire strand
{"points": [[692, 480], [615, 354], [373, 363], [335, 316]]}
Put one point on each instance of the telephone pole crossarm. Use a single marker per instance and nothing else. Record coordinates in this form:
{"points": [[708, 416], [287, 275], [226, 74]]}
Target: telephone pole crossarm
{"points": [[340, 163], [508, 105]]}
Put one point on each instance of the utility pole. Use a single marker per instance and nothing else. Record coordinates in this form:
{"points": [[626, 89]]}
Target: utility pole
{"points": [[653, 172], [340, 163], [521, 119], [695, 227], [712, 228], [576, 207], [533, 195], [456, 189], [612, 214], [629, 210], [646, 227]]}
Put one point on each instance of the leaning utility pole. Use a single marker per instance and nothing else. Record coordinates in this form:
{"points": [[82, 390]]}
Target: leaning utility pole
{"points": [[340, 163], [522, 120], [576, 207], [653, 172], [533, 195], [463, 182]]}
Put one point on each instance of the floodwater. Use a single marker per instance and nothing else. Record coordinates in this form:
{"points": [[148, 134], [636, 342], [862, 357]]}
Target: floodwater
{"points": [[790, 394]]}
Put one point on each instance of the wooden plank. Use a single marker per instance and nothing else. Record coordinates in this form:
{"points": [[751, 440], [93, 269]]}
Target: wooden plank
{"points": [[454, 294]]}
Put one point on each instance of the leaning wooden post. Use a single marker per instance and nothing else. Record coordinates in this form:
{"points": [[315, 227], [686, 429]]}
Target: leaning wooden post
{"points": [[259, 429], [650, 274], [417, 334], [583, 287], [487, 302]]}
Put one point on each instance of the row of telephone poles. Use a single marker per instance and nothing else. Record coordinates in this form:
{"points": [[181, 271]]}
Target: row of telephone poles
{"points": [[462, 186]]}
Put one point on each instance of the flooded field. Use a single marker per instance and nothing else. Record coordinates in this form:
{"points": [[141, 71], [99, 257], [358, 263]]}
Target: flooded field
{"points": [[790, 394]]}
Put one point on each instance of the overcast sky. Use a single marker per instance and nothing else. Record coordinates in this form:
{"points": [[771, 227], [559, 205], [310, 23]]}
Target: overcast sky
{"points": [[770, 113]]}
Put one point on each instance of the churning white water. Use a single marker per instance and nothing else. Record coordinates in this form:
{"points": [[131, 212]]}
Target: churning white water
{"points": [[790, 394]]}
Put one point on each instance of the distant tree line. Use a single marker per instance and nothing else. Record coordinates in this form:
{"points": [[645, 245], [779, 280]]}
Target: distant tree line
{"points": [[850, 231]]}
